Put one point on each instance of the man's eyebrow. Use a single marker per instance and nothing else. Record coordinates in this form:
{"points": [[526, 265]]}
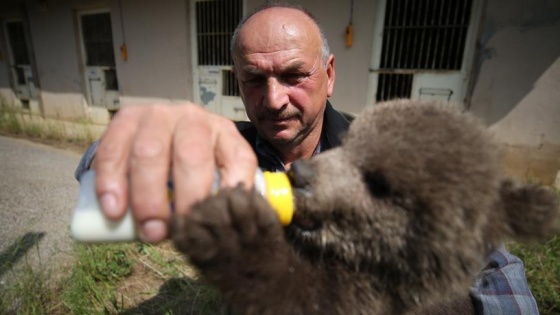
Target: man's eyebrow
{"points": [[251, 70], [295, 66]]}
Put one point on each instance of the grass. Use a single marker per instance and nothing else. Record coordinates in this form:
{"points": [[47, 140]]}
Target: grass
{"points": [[132, 278], [16, 122], [542, 269], [137, 278]]}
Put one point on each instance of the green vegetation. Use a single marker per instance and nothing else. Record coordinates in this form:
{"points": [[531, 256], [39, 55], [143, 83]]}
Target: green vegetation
{"points": [[542, 268], [16, 122], [129, 278]]}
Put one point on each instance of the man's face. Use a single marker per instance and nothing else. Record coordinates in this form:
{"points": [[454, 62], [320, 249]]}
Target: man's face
{"points": [[282, 77]]}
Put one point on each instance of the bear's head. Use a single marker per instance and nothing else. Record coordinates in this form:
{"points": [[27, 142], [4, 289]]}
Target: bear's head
{"points": [[414, 196]]}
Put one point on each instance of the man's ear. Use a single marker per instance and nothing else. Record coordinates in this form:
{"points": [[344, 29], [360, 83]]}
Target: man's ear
{"points": [[330, 75], [531, 211]]}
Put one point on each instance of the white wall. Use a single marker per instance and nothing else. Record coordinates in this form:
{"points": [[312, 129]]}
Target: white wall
{"points": [[159, 55], [55, 46], [517, 87]]}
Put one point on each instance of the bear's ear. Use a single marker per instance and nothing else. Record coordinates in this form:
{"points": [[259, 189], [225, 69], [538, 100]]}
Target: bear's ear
{"points": [[531, 211]]}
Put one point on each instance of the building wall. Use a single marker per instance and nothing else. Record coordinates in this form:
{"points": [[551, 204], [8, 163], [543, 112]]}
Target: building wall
{"points": [[514, 84], [55, 46], [159, 55], [516, 88]]}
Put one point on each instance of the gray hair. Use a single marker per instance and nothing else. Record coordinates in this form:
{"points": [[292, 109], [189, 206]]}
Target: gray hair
{"points": [[326, 51]]}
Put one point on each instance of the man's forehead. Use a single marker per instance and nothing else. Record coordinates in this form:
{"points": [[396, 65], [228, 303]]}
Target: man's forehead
{"points": [[277, 23], [277, 15]]}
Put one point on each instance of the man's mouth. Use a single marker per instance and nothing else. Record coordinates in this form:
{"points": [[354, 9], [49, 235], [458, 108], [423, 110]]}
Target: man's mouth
{"points": [[279, 119]]}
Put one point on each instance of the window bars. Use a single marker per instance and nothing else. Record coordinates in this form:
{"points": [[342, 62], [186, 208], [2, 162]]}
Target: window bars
{"points": [[98, 39], [215, 22], [420, 35]]}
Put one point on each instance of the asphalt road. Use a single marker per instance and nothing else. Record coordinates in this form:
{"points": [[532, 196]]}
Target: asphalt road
{"points": [[37, 196]]}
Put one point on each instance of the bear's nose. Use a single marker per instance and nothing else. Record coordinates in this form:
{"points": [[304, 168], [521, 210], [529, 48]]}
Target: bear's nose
{"points": [[300, 174]]}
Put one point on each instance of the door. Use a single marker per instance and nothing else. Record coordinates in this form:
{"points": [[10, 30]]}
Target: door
{"points": [[20, 60], [423, 49], [99, 59], [215, 86]]}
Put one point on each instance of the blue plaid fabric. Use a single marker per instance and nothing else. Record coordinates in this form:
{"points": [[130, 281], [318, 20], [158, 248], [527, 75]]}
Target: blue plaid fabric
{"points": [[87, 159], [501, 287]]}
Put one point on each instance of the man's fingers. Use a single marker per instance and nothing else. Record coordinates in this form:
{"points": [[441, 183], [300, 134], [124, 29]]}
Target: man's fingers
{"points": [[111, 162], [149, 172], [235, 157], [142, 145], [193, 158]]}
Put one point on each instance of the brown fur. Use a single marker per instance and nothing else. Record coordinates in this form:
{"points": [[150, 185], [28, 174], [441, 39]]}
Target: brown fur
{"points": [[396, 220]]}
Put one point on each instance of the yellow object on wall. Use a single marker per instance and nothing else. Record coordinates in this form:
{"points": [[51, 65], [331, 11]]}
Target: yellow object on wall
{"points": [[124, 52], [349, 35]]}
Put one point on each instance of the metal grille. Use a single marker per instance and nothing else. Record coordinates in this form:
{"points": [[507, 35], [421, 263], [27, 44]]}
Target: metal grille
{"points": [[98, 39], [20, 76], [229, 85], [392, 86], [111, 82], [420, 35], [425, 34], [16, 36], [216, 21]]}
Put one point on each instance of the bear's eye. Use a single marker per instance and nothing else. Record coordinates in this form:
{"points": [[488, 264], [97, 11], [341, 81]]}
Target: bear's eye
{"points": [[377, 184]]}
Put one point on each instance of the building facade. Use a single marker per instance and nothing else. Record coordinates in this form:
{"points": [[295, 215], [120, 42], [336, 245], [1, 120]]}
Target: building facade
{"points": [[85, 59]]}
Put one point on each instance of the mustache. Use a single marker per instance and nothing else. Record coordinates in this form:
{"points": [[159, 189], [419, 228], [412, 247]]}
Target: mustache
{"points": [[267, 114]]}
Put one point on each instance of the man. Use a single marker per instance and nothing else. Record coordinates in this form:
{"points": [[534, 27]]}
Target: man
{"points": [[285, 73]]}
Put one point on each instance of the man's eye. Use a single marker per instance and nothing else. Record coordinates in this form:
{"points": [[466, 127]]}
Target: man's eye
{"points": [[253, 80], [292, 77]]}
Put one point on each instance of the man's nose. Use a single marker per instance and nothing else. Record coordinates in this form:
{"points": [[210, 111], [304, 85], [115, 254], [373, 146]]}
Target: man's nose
{"points": [[276, 94]]}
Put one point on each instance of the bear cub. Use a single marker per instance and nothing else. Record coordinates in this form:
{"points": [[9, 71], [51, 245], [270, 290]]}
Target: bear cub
{"points": [[398, 218]]}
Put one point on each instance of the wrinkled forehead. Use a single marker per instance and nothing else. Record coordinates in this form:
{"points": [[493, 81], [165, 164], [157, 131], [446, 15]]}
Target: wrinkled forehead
{"points": [[278, 29]]}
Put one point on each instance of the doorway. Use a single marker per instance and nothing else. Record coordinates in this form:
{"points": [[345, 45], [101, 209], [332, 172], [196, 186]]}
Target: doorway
{"points": [[215, 85], [424, 49], [98, 55], [20, 62]]}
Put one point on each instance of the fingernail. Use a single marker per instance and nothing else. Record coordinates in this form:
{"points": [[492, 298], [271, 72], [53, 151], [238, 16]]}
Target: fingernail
{"points": [[153, 231], [109, 204]]}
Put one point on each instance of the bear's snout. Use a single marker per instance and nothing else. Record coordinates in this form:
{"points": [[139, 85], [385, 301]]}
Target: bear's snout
{"points": [[300, 175]]}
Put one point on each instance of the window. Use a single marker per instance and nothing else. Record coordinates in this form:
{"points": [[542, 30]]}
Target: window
{"points": [[420, 35], [229, 83], [16, 37], [215, 23], [98, 39]]}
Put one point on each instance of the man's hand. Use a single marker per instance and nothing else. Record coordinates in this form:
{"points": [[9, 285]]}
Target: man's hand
{"points": [[145, 145]]}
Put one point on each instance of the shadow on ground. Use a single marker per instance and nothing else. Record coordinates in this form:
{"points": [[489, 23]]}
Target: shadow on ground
{"points": [[11, 255], [182, 296]]}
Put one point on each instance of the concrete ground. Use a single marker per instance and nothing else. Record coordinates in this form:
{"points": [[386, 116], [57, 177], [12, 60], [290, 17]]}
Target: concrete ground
{"points": [[37, 195]]}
